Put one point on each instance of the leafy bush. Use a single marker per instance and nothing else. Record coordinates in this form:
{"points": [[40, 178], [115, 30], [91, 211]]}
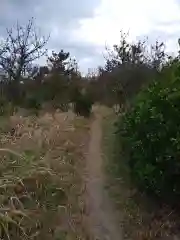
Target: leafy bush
{"points": [[151, 136], [82, 104], [6, 107], [33, 104]]}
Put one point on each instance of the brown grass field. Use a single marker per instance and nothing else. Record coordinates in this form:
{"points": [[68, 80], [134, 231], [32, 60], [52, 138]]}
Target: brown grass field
{"points": [[41, 187]]}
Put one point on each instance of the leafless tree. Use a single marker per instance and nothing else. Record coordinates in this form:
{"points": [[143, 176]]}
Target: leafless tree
{"points": [[22, 46]]}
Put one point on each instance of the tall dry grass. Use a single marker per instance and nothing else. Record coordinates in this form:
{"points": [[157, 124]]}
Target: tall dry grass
{"points": [[41, 188]]}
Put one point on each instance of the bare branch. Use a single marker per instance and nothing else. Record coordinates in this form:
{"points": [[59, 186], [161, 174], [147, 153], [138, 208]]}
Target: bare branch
{"points": [[22, 46]]}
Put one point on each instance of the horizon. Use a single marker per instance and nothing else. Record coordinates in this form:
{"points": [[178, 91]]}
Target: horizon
{"points": [[85, 28]]}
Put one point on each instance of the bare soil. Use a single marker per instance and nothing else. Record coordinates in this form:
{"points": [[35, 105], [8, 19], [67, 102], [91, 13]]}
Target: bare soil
{"points": [[101, 218]]}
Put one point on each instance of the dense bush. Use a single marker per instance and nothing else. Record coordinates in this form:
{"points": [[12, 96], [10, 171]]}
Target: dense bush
{"points": [[82, 104], [32, 104], [151, 136], [3, 105], [6, 108]]}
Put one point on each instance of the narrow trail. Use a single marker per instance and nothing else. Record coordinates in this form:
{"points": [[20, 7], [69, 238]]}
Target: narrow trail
{"points": [[101, 217]]}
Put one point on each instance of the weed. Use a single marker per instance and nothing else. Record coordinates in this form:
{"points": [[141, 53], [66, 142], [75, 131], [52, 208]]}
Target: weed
{"points": [[40, 184]]}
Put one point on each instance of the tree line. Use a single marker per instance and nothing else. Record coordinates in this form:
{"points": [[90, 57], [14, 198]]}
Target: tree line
{"points": [[128, 67], [141, 79]]}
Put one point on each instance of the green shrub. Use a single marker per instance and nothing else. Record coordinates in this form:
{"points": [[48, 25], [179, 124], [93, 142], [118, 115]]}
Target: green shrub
{"points": [[33, 104], [82, 104], [151, 138], [6, 107]]}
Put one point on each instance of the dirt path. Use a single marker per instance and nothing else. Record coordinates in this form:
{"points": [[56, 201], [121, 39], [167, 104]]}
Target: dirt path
{"points": [[101, 219]]}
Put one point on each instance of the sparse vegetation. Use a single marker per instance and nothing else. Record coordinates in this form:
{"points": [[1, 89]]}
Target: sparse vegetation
{"points": [[40, 167]]}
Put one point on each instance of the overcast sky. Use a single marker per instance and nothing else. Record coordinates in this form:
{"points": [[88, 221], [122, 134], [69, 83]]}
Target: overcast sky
{"points": [[83, 27]]}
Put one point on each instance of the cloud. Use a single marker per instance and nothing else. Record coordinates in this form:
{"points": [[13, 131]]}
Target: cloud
{"points": [[84, 27], [139, 17], [155, 19], [57, 11], [59, 18]]}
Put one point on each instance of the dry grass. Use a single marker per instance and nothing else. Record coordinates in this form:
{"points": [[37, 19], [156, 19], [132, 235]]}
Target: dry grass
{"points": [[41, 163]]}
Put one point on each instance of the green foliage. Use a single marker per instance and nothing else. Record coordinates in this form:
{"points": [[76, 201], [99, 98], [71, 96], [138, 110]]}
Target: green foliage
{"points": [[58, 61], [3, 105], [33, 104], [82, 104], [151, 137], [6, 108], [128, 68]]}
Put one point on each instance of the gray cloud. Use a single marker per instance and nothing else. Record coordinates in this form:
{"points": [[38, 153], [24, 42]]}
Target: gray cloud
{"points": [[57, 17], [61, 18], [47, 11]]}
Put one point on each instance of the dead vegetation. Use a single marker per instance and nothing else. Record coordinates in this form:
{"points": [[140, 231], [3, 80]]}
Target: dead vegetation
{"points": [[40, 177]]}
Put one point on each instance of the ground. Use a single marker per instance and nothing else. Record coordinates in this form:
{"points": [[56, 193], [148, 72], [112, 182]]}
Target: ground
{"points": [[58, 181], [101, 215], [52, 179]]}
